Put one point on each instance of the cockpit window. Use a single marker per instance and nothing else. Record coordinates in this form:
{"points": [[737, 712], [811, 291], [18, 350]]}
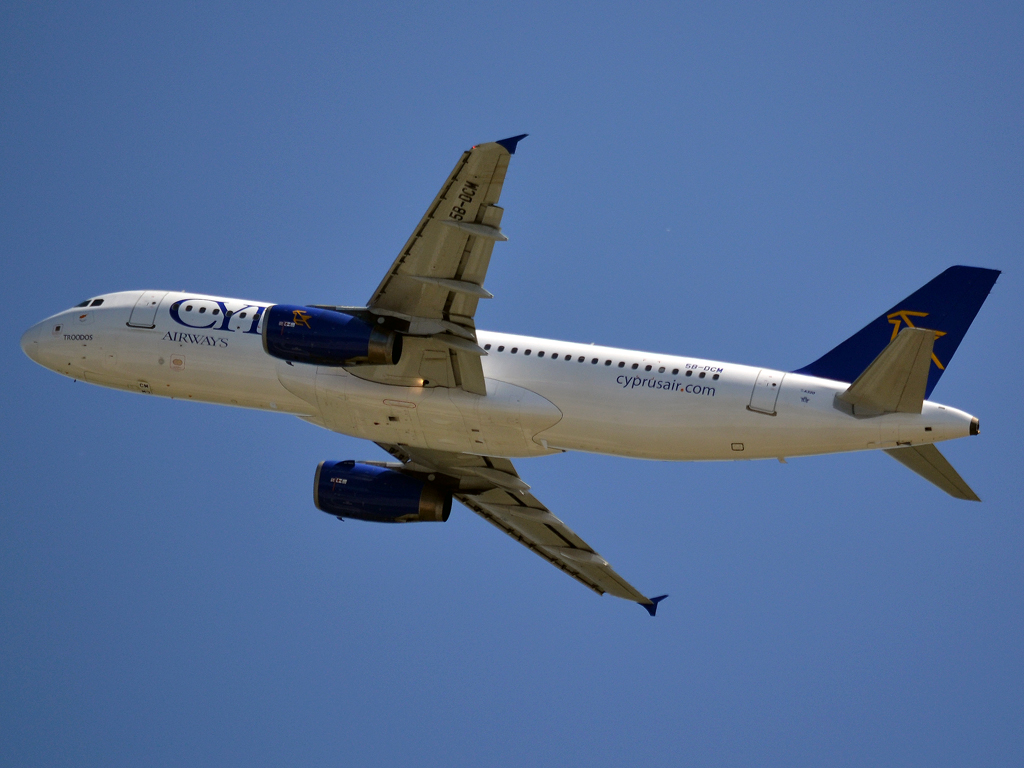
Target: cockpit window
{"points": [[83, 304], [97, 302]]}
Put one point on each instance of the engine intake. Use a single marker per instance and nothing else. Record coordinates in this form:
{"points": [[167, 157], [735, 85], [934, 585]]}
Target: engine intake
{"points": [[378, 494], [326, 337]]}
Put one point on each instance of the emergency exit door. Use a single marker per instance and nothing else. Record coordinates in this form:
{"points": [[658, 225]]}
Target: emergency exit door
{"points": [[766, 392], [144, 312]]}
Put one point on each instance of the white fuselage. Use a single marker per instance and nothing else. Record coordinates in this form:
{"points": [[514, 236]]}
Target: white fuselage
{"points": [[546, 396]]}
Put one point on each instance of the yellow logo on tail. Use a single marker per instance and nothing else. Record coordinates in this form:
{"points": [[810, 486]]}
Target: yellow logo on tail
{"points": [[903, 316], [301, 318]]}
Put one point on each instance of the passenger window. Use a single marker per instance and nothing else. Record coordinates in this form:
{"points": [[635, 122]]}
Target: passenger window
{"points": [[216, 311], [189, 309], [241, 315], [635, 366], [607, 362], [201, 310], [702, 375], [689, 373], [97, 302], [662, 369], [582, 358], [622, 365], [528, 351], [514, 350], [487, 346], [594, 361], [715, 377], [647, 367], [175, 305], [554, 355], [501, 348], [540, 354], [675, 371]]}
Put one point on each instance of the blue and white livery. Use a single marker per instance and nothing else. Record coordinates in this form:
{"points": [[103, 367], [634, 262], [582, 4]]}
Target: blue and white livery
{"points": [[453, 404]]}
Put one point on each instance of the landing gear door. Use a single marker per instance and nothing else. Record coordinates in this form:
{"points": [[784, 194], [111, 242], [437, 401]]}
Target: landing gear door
{"points": [[144, 312], [766, 392]]}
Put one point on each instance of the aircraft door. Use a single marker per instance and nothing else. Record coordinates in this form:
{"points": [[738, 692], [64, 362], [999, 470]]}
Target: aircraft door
{"points": [[766, 392], [144, 312]]}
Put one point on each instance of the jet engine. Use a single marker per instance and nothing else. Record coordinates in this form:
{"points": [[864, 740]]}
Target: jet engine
{"points": [[378, 494], [326, 337]]}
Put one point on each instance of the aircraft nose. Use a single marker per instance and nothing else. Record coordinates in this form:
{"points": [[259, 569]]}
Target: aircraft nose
{"points": [[30, 343]]}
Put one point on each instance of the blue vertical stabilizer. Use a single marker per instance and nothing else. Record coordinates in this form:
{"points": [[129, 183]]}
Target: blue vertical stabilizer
{"points": [[946, 305]]}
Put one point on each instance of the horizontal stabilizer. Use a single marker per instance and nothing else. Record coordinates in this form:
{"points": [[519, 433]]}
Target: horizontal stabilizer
{"points": [[933, 467], [896, 380]]}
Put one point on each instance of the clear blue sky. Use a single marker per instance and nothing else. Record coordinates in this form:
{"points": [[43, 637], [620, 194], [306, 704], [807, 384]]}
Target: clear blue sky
{"points": [[745, 182]]}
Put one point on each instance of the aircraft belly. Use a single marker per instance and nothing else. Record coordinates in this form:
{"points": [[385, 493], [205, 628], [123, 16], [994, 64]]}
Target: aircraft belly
{"points": [[501, 423], [443, 426], [507, 420], [386, 413]]}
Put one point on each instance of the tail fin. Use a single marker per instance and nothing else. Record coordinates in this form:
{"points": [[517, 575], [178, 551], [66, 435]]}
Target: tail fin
{"points": [[947, 305]]}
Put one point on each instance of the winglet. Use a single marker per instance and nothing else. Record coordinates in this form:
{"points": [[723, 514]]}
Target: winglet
{"points": [[510, 143], [652, 607]]}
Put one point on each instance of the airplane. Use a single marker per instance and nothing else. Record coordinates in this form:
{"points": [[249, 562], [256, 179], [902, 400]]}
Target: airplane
{"points": [[453, 405]]}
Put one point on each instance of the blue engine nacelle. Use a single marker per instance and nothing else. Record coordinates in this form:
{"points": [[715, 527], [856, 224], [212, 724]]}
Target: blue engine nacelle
{"points": [[378, 494], [326, 337]]}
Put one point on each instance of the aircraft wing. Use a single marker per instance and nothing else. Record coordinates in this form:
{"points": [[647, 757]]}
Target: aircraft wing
{"points": [[492, 488], [434, 285]]}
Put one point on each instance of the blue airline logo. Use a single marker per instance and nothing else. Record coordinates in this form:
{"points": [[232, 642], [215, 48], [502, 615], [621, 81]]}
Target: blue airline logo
{"points": [[214, 315]]}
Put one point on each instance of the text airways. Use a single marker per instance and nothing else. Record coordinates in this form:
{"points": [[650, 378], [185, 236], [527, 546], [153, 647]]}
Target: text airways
{"points": [[194, 338]]}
